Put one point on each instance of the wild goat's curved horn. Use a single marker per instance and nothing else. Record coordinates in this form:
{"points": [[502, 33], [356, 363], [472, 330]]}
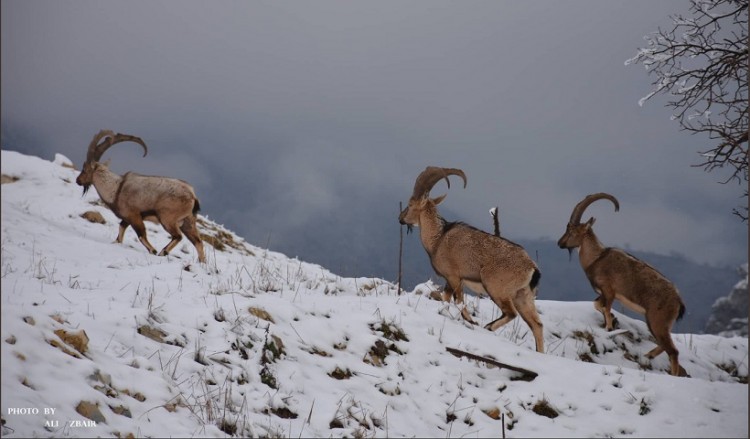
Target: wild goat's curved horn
{"points": [[431, 175], [575, 217], [96, 149], [91, 154]]}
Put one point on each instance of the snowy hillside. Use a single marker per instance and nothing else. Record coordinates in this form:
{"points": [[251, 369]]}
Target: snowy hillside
{"points": [[253, 343]]}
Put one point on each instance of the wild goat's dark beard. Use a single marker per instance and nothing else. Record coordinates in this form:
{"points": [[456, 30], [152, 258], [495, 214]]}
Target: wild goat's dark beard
{"points": [[409, 228], [570, 254], [85, 189]]}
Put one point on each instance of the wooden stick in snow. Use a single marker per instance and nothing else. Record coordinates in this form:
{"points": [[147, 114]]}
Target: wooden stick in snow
{"points": [[400, 249], [495, 220], [527, 375]]}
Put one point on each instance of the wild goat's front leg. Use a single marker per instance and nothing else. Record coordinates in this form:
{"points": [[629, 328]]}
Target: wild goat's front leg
{"points": [[447, 293], [604, 305], [121, 233], [458, 296]]}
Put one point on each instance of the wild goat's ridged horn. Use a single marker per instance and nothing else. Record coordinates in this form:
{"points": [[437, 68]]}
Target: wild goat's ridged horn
{"points": [[91, 154], [431, 175], [96, 149], [575, 217]]}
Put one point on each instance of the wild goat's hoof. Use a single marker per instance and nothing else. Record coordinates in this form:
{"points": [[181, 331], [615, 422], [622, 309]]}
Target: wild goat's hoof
{"points": [[467, 317], [615, 325]]}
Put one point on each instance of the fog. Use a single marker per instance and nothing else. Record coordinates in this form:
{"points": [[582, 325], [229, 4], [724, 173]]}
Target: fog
{"points": [[302, 125]]}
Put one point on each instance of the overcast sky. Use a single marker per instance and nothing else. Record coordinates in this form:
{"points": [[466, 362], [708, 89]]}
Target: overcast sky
{"points": [[301, 121]]}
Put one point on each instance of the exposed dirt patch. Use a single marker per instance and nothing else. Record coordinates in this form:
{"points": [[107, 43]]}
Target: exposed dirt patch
{"points": [[543, 408], [390, 331], [283, 412], [588, 337], [340, 374]]}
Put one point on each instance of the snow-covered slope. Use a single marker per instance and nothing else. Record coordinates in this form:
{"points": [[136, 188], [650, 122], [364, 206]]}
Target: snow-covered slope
{"points": [[253, 343]]}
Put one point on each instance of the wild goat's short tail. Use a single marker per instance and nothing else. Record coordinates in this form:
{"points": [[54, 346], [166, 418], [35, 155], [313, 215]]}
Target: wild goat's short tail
{"points": [[535, 279], [682, 311], [196, 207]]}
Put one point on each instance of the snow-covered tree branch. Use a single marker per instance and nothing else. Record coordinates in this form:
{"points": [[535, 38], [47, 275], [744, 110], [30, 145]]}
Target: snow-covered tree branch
{"points": [[701, 65]]}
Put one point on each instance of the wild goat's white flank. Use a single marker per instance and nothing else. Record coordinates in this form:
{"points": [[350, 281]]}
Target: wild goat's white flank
{"points": [[135, 198], [615, 274], [466, 256]]}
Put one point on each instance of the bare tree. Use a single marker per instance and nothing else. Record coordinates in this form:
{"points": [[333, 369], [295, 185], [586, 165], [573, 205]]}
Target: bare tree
{"points": [[701, 64]]}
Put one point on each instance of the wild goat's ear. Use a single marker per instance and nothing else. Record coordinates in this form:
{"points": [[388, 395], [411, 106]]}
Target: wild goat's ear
{"points": [[590, 222], [439, 199]]}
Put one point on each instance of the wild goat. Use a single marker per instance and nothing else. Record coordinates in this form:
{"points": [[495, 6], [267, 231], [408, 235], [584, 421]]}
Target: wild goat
{"points": [[464, 255], [615, 274], [135, 198]]}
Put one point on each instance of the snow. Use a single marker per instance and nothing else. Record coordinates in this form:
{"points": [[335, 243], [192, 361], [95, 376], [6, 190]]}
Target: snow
{"points": [[254, 343]]}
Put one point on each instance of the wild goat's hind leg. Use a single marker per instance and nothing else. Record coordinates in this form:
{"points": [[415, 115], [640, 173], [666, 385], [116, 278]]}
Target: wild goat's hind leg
{"points": [[174, 232], [674, 363], [466, 316], [140, 230], [508, 310], [662, 334], [653, 353], [190, 230], [524, 302]]}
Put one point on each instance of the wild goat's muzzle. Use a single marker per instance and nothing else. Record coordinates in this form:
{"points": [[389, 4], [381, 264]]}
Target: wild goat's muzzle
{"points": [[80, 183], [404, 223], [401, 217], [561, 243]]}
